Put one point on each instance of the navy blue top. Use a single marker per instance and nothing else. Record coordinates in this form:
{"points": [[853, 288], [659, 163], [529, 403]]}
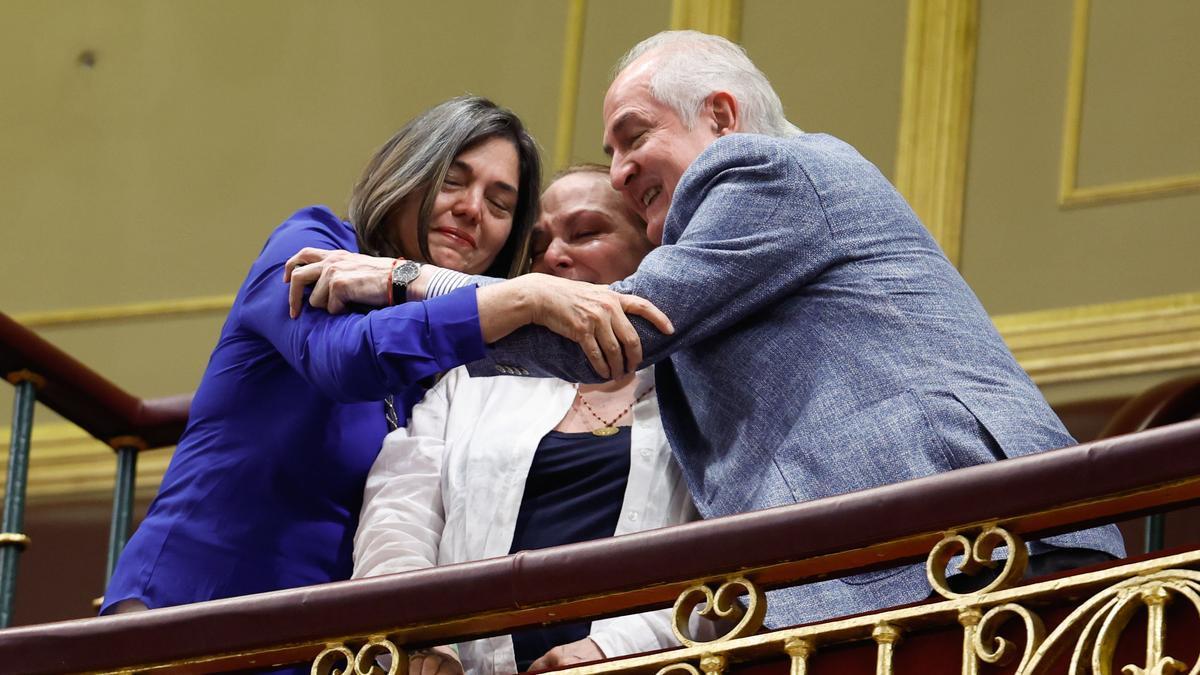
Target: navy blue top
{"points": [[574, 492], [264, 489]]}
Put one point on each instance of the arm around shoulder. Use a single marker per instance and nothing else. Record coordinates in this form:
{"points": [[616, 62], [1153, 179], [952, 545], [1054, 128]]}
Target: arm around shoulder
{"points": [[353, 357]]}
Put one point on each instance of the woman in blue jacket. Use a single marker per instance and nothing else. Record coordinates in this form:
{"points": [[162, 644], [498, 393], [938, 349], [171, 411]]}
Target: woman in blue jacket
{"points": [[265, 487]]}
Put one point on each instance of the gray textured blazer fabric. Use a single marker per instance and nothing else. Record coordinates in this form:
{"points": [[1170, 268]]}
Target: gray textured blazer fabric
{"points": [[823, 344]]}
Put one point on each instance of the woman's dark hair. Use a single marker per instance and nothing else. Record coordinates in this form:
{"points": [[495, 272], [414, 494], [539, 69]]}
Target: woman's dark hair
{"points": [[419, 156]]}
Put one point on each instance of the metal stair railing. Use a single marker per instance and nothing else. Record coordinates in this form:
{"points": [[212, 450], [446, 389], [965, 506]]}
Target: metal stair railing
{"points": [[41, 372]]}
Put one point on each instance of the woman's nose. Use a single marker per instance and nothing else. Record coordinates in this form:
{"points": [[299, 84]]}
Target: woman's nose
{"points": [[469, 205], [557, 256]]}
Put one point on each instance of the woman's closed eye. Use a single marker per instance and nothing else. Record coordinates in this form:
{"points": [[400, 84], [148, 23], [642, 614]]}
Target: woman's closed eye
{"points": [[501, 207]]}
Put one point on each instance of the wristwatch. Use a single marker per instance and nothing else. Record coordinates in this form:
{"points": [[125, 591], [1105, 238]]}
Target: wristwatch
{"points": [[403, 274]]}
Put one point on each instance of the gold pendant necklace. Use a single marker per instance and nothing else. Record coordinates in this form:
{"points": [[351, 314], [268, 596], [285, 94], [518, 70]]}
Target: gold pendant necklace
{"points": [[608, 427]]}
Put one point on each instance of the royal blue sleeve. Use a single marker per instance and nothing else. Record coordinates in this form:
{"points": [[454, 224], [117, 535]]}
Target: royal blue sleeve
{"points": [[358, 356]]}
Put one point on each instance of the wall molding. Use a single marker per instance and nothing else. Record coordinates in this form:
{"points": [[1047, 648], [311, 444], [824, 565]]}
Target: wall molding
{"points": [[1059, 345], [211, 304], [1104, 340], [1069, 193], [67, 465], [568, 93], [935, 114]]}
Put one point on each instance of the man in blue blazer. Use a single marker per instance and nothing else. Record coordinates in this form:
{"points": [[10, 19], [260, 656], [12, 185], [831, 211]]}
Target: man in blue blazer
{"points": [[823, 343]]}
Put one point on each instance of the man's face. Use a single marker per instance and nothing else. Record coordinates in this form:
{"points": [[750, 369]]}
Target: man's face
{"points": [[649, 145]]}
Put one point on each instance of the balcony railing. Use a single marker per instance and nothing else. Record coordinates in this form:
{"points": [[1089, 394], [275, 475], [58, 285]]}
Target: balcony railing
{"points": [[1031, 496], [331, 625]]}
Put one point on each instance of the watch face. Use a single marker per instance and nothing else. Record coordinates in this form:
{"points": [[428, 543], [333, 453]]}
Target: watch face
{"points": [[405, 272]]}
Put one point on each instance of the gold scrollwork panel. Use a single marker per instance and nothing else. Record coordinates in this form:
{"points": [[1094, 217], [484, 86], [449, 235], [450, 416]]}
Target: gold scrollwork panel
{"points": [[1000, 626], [720, 604], [976, 555], [341, 659]]}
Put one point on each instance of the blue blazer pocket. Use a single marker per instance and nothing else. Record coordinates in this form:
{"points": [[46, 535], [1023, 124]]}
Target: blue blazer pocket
{"points": [[885, 442]]}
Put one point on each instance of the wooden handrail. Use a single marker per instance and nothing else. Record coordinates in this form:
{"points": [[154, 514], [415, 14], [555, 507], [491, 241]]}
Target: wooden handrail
{"points": [[86, 398], [1033, 496]]}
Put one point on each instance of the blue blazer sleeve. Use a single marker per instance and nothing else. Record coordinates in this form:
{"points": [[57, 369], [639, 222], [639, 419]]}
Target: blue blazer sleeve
{"points": [[354, 357], [746, 228]]}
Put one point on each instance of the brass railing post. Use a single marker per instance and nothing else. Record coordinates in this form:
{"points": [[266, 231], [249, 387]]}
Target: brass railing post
{"points": [[12, 540], [122, 514]]}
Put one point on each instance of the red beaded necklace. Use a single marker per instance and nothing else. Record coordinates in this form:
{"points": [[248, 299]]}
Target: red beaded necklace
{"points": [[607, 427]]}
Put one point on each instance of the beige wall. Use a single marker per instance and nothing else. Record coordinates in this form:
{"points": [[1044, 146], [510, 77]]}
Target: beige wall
{"points": [[147, 148], [156, 173], [1021, 250]]}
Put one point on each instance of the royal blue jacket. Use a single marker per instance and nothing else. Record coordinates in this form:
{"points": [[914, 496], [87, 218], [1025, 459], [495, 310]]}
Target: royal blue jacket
{"points": [[264, 489]]}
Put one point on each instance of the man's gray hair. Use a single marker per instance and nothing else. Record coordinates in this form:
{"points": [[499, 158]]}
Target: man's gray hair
{"points": [[691, 65]]}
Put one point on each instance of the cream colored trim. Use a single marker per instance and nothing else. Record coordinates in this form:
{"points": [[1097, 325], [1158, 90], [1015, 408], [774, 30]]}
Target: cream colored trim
{"points": [[568, 94], [1069, 192], [935, 114], [716, 17], [138, 310], [1094, 341], [66, 464]]}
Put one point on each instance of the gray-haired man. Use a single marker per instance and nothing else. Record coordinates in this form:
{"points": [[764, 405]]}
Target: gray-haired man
{"points": [[823, 343]]}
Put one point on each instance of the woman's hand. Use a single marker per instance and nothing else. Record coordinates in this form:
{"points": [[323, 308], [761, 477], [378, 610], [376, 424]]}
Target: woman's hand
{"points": [[591, 315], [434, 661], [340, 277], [565, 655]]}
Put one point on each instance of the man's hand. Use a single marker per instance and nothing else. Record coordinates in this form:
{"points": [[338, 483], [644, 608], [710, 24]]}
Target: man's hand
{"points": [[434, 661], [591, 315], [565, 655], [340, 277]]}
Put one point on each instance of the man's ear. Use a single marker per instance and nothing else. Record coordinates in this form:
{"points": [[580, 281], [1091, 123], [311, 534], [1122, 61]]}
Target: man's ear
{"points": [[725, 113]]}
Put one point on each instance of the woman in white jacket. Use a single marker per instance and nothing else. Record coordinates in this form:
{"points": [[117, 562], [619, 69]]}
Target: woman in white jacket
{"points": [[491, 466]]}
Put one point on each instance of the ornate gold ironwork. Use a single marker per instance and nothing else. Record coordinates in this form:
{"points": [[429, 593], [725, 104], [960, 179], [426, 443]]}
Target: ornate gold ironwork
{"points": [[1002, 651], [1102, 620], [976, 556], [364, 661], [686, 668], [799, 649], [721, 604], [1114, 596], [1092, 630], [886, 635]]}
